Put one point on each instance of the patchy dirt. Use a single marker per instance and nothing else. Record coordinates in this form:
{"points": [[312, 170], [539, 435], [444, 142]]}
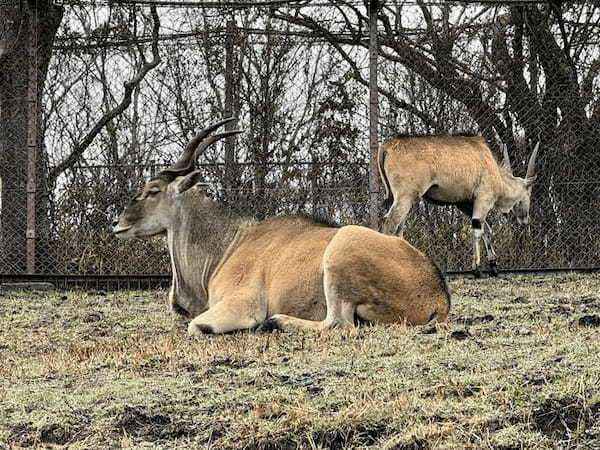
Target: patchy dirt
{"points": [[91, 317], [460, 335], [308, 381], [26, 435], [589, 321], [136, 421], [469, 321], [355, 436], [233, 363], [560, 418]]}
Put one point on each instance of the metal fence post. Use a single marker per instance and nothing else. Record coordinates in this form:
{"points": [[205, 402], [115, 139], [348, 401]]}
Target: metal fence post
{"points": [[229, 94], [373, 117], [32, 140]]}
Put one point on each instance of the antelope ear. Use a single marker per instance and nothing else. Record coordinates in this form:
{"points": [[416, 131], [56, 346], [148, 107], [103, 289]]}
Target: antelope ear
{"points": [[506, 159], [529, 181], [188, 181]]}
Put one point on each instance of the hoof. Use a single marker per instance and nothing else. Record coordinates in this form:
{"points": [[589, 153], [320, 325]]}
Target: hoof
{"points": [[493, 269], [198, 330], [268, 326]]}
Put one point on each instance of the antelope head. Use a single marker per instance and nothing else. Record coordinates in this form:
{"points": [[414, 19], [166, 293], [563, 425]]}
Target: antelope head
{"points": [[151, 210], [523, 203]]}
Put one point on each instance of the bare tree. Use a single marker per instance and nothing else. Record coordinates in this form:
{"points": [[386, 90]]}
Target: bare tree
{"points": [[130, 87], [21, 25], [113, 141]]}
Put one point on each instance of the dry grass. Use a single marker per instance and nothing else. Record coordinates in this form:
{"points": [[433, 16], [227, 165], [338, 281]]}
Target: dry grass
{"points": [[517, 367]]}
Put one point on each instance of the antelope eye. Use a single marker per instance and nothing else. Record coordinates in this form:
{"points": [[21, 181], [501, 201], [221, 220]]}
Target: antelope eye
{"points": [[153, 191]]}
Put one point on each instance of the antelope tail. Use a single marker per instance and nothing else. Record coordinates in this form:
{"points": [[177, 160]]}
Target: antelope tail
{"points": [[389, 196]]}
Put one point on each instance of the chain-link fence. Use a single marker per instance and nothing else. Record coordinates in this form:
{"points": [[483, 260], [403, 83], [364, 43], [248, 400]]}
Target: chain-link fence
{"points": [[97, 96]]}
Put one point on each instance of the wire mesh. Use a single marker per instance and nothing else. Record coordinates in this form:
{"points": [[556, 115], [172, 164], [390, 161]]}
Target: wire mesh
{"points": [[295, 76]]}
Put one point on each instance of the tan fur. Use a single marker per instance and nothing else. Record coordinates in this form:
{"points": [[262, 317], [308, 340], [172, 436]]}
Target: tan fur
{"points": [[458, 170], [232, 273], [461, 167]]}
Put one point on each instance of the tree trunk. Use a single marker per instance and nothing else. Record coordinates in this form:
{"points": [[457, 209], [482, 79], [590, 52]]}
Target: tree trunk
{"points": [[17, 31]]}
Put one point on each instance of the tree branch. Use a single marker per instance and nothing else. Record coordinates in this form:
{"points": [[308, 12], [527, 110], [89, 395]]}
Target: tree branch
{"points": [[466, 91], [519, 94], [129, 86], [355, 71]]}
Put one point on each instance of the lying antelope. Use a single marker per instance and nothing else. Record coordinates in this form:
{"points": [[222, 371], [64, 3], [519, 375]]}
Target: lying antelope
{"points": [[233, 273], [453, 170]]}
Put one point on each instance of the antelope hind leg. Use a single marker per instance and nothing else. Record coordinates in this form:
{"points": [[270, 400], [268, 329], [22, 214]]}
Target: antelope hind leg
{"points": [[283, 322], [393, 223], [488, 238], [340, 313]]}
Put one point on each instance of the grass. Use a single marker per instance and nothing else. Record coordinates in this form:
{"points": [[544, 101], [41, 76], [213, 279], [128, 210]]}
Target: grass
{"points": [[517, 366]]}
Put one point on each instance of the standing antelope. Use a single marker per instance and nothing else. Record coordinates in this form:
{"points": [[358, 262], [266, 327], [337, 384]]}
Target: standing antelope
{"points": [[233, 273], [453, 170]]}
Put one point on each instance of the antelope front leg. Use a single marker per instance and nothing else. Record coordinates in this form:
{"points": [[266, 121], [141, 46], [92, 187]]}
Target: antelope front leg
{"points": [[477, 233], [481, 207], [225, 317]]}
